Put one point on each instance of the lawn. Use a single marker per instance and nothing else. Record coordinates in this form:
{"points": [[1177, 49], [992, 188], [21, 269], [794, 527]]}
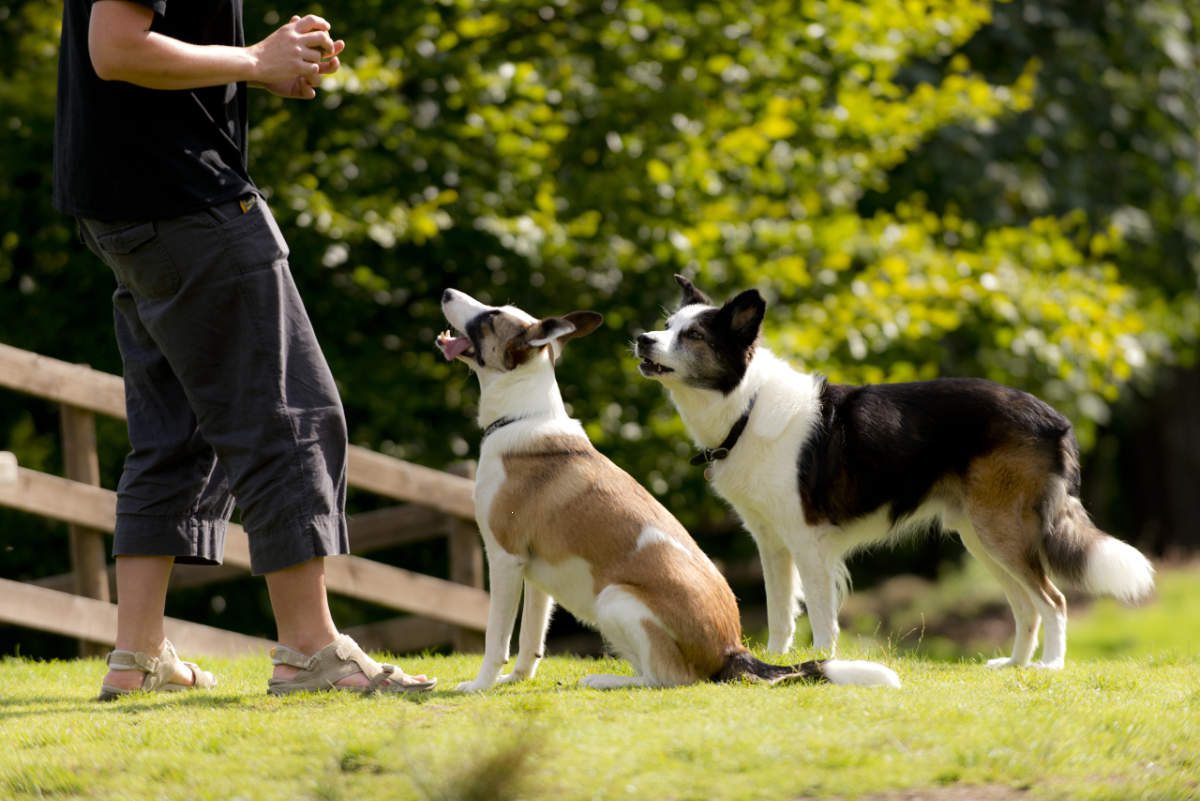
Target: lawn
{"points": [[1121, 722]]}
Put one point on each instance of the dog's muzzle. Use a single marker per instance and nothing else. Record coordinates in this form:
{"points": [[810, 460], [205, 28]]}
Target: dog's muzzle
{"points": [[644, 349]]}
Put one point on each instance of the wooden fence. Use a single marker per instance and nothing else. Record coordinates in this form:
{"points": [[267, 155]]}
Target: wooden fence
{"points": [[78, 604]]}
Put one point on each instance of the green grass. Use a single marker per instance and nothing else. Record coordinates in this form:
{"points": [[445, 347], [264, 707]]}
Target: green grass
{"points": [[1121, 722], [913, 616]]}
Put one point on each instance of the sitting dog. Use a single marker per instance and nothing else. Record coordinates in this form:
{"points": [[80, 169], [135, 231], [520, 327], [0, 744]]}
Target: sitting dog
{"points": [[561, 519], [816, 470]]}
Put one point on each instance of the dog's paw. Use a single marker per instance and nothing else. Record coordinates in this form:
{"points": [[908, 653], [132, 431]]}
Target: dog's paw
{"points": [[604, 681], [476, 686], [1056, 664], [512, 678], [1002, 662]]}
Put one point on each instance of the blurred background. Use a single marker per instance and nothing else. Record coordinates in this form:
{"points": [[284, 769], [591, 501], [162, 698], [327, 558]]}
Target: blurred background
{"points": [[1008, 190]]}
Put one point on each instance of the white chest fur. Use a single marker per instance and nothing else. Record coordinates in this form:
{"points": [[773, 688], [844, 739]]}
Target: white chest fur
{"points": [[569, 582], [761, 471]]}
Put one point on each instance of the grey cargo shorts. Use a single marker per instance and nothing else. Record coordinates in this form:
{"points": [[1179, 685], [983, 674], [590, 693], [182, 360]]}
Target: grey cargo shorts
{"points": [[227, 392]]}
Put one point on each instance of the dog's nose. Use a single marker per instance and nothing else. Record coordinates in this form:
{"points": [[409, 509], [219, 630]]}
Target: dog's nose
{"points": [[446, 295], [644, 340]]}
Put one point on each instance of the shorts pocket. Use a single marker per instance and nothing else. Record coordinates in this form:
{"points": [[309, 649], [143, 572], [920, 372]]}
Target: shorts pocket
{"points": [[140, 260], [253, 241]]}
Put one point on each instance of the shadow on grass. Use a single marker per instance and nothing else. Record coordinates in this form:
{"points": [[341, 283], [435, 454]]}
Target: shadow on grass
{"points": [[146, 703], [31, 705]]}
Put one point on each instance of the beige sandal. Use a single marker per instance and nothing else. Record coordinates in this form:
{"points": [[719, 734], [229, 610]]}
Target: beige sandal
{"points": [[160, 671], [336, 661]]}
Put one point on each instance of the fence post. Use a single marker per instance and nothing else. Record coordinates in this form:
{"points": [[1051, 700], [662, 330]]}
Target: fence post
{"points": [[466, 561], [89, 549]]}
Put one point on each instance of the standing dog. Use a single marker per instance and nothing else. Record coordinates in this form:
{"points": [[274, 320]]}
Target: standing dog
{"points": [[816, 470], [560, 518]]}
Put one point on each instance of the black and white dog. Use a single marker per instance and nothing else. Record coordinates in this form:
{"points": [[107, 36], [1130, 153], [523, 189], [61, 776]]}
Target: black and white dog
{"points": [[816, 470]]}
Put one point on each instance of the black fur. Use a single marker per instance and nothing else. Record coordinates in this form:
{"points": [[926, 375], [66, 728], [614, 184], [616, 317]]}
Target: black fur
{"points": [[690, 293], [731, 333], [739, 664], [474, 332], [888, 444]]}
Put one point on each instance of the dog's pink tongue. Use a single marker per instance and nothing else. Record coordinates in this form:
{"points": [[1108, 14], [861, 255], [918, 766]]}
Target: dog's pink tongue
{"points": [[453, 347]]}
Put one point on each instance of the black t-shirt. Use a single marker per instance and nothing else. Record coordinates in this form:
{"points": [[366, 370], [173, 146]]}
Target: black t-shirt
{"points": [[125, 152]]}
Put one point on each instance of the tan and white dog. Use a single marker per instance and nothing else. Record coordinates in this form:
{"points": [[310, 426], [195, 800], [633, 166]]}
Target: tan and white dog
{"points": [[563, 522]]}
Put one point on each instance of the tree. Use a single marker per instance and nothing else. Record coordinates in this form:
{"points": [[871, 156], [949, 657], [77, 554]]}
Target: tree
{"points": [[1110, 138], [874, 167], [565, 157], [560, 155]]}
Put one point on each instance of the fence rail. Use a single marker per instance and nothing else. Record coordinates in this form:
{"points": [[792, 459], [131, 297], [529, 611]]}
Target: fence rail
{"points": [[77, 604]]}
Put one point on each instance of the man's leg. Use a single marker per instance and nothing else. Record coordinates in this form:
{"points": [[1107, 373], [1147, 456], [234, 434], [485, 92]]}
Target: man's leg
{"points": [[141, 597], [173, 500], [298, 597], [302, 616]]}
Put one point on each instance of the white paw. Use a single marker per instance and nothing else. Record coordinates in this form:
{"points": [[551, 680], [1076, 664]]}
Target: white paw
{"points": [[1003, 662], [602, 681], [510, 678], [476, 686], [1055, 664]]}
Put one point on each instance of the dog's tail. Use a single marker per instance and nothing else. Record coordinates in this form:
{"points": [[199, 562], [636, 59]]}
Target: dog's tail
{"points": [[743, 664], [1082, 554]]}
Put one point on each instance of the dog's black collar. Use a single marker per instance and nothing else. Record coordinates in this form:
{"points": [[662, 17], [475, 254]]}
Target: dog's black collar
{"points": [[497, 425], [710, 455]]}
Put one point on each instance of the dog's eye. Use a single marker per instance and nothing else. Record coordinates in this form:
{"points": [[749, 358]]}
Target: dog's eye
{"points": [[693, 334]]}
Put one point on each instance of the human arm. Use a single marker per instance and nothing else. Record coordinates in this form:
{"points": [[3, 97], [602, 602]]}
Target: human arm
{"points": [[123, 48]]}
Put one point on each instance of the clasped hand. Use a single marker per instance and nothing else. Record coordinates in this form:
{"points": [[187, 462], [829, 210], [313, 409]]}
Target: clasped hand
{"points": [[291, 61]]}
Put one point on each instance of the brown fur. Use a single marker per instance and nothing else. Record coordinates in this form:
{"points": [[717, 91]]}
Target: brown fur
{"points": [[1005, 495], [498, 332], [1004, 492], [589, 508]]}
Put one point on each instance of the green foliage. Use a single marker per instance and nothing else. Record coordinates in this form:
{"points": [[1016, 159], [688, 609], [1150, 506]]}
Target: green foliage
{"points": [[560, 156], [1110, 132], [1109, 141], [52, 294], [920, 189]]}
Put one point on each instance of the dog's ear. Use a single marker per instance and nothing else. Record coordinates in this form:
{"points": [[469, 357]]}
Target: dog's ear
{"points": [[743, 315], [585, 322], [544, 332], [570, 326], [690, 293]]}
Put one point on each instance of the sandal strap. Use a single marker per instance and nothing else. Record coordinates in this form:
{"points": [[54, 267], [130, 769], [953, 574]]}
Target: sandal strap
{"points": [[342, 656], [159, 668], [381, 678], [121, 659], [348, 651], [282, 655], [201, 678]]}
